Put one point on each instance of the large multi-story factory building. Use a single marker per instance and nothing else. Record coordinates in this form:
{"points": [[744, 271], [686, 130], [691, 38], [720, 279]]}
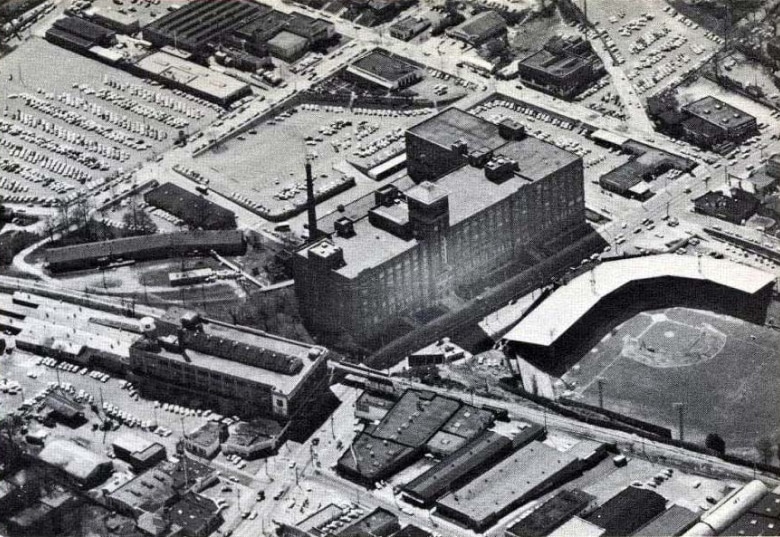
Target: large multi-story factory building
{"points": [[485, 194]]}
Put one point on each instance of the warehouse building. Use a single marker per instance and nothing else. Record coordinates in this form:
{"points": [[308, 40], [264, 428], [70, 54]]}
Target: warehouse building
{"points": [[716, 125], [386, 70], [404, 434], [674, 521], [253, 439], [736, 207], [144, 493], [79, 35], [287, 46], [625, 181], [408, 28], [193, 515], [199, 25], [192, 78], [235, 369], [551, 514], [254, 36], [64, 408], [312, 29], [144, 248], [349, 521], [123, 23], [628, 511], [483, 201], [139, 452], [631, 178], [525, 475], [77, 465], [460, 467], [479, 29], [579, 527], [564, 67]]}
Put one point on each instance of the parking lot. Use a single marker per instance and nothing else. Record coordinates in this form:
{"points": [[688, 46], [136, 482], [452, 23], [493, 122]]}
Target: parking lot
{"points": [[271, 175], [91, 123], [652, 43]]}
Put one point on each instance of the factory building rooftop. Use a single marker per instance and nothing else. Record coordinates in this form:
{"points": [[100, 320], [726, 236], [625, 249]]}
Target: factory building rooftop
{"points": [[200, 80], [468, 190], [718, 113], [628, 511], [454, 125], [84, 466], [551, 514], [439, 479], [146, 492], [242, 353], [517, 479], [674, 521], [385, 66], [415, 418]]}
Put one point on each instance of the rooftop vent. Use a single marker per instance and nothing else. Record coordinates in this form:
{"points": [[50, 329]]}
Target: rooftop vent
{"points": [[344, 227]]}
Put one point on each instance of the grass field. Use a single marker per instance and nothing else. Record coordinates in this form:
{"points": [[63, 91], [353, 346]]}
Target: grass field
{"points": [[724, 370]]}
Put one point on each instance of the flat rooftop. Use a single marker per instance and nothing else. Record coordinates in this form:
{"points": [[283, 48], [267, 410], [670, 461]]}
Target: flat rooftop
{"points": [[507, 482], [440, 477], [453, 125], [375, 523], [368, 455], [563, 308], [468, 422], [468, 190], [717, 112], [479, 26], [673, 521], [415, 418], [557, 66], [246, 434], [205, 435], [385, 65], [284, 383], [195, 76], [152, 486]]}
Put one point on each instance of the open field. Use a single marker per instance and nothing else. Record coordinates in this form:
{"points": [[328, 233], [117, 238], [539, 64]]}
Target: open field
{"points": [[722, 369], [70, 128]]}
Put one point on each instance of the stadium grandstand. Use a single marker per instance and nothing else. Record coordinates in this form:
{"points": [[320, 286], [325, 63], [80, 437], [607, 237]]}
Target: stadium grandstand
{"points": [[613, 289]]}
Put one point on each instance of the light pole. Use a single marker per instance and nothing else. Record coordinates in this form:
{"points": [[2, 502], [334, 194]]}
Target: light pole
{"points": [[681, 412]]}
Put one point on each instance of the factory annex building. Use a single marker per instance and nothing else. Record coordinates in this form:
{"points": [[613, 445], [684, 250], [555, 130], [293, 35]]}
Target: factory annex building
{"points": [[485, 193], [235, 369]]}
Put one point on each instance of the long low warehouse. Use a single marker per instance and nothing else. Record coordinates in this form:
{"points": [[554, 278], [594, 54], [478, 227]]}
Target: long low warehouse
{"points": [[145, 247]]}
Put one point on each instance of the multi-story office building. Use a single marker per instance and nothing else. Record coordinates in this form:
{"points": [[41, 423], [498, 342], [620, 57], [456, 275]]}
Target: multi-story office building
{"points": [[487, 193]]}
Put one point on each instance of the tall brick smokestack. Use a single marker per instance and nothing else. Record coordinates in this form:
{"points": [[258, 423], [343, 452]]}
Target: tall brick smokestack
{"points": [[311, 204]]}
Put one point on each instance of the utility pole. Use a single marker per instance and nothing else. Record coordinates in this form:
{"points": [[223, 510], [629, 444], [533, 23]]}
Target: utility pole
{"points": [[681, 413]]}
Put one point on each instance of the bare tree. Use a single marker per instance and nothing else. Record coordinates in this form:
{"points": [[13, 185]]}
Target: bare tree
{"points": [[139, 222]]}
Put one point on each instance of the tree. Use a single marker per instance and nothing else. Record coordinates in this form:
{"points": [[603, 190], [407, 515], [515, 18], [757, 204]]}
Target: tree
{"points": [[764, 448], [716, 443], [139, 222]]}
